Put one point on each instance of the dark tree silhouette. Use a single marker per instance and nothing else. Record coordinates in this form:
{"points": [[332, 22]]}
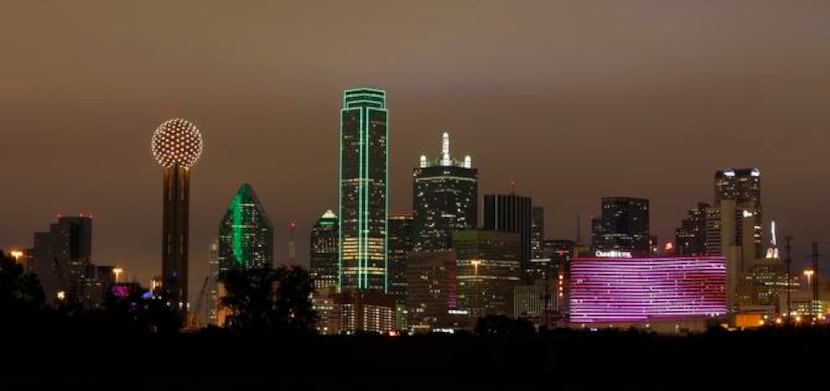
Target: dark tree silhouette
{"points": [[503, 325], [267, 300], [294, 290], [250, 299], [21, 295], [137, 312]]}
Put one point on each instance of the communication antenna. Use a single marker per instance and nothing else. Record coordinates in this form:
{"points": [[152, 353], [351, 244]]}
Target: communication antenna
{"points": [[291, 249]]}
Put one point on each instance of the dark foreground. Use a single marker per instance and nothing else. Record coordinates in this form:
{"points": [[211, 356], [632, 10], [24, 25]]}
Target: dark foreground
{"points": [[430, 362]]}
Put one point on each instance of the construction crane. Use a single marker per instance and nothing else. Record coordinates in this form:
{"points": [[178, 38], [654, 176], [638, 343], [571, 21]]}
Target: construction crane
{"points": [[193, 322]]}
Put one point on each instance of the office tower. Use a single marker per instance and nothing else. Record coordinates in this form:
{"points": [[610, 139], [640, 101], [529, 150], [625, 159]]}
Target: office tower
{"points": [[176, 146], [400, 245], [537, 232], [532, 302], [62, 257], [510, 213], [445, 198], [324, 268], [560, 252], [721, 239], [488, 268], [744, 187], [546, 275], [363, 199], [714, 223], [46, 266], [690, 237], [623, 226], [246, 236], [364, 310], [763, 283], [431, 290]]}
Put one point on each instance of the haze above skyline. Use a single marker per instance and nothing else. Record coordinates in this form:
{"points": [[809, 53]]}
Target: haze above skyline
{"points": [[574, 100]]}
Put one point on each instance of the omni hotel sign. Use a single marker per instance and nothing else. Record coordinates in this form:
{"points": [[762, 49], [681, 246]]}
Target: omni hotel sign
{"points": [[612, 254]]}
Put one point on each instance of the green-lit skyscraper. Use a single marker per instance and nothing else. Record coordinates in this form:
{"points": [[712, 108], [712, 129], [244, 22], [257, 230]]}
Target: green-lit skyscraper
{"points": [[246, 236], [363, 200]]}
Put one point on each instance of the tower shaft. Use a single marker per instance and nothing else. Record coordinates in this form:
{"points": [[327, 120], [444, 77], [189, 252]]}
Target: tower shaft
{"points": [[175, 228]]}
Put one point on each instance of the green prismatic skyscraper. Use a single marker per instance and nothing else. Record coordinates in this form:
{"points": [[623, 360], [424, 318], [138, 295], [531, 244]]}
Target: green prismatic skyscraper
{"points": [[246, 236], [363, 200]]}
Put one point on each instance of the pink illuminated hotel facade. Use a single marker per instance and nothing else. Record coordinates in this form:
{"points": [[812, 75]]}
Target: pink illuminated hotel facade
{"points": [[665, 294]]}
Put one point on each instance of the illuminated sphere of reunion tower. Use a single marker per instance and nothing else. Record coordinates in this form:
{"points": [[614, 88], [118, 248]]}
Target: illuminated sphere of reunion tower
{"points": [[177, 142], [176, 145]]}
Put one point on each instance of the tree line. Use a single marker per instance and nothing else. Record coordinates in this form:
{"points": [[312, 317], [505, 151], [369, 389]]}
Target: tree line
{"points": [[257, 301]]}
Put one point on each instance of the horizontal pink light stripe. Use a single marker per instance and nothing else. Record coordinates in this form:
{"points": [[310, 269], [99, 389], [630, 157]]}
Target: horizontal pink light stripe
{"points": [[641, 289]]}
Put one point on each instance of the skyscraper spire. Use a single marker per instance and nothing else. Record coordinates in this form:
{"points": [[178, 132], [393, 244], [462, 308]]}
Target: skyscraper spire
{"points": [[445, 150], [772, 251]]}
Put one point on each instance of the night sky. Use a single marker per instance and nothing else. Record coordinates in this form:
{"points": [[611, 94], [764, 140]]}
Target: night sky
{"points": [[574, 100]]}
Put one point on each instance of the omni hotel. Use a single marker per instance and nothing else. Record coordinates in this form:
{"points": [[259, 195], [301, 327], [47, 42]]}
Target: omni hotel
{"points": [[666, 294]]}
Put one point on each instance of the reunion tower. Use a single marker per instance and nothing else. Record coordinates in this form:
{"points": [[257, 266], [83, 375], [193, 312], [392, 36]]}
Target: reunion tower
{"points": [[176, 145]]}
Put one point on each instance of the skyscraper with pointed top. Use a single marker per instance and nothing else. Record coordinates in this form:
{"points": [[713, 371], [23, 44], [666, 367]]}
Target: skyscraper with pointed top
{"points": [[246, 236], [445, 198], [363, 198], [323, 267]]}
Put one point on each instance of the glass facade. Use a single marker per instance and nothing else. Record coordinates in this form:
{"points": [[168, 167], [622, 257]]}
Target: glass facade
{"points": [[623, 226], [246, 236], [487, 271], [324, 268], [744, 187], [431, 289], [363, 201], [511, 213], [400, 245], [445, 198], [690, 238]]}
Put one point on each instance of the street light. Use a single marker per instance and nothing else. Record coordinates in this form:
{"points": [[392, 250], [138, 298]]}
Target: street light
{"points": [[809, 273], [16, 254], [117, 271]]}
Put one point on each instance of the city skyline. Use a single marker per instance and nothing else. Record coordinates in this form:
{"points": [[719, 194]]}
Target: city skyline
{"points": [[575, 103]]}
